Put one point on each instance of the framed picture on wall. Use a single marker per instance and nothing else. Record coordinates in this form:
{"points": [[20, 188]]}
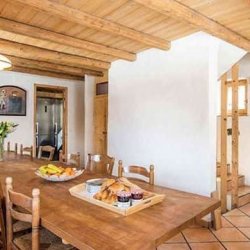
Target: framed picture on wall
{"points": [[12, 100]]}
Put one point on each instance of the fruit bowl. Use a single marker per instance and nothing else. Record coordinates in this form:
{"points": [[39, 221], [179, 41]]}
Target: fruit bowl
{"points": [[53, 173]]}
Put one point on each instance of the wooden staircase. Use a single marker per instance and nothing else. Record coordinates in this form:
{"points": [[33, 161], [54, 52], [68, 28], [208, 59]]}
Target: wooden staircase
{"points": [[244, 190], [241, 181]]}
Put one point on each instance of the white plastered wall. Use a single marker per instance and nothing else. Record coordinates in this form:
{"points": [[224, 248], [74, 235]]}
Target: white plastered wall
{"points": [[162, 111], [89, 111]]}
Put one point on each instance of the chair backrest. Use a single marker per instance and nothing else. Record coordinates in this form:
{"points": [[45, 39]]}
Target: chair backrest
{"points": [[73, 159], [26, 151], [138, 170], [100, 164], [13, 200], [9, 149], [47, 149], [2, 219]]}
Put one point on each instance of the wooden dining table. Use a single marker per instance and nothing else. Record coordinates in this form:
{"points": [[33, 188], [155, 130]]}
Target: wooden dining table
{"points": [[88, 226]]}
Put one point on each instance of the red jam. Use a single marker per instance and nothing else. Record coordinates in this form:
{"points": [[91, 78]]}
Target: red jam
{"points": [[136, 194], [123, 196]]}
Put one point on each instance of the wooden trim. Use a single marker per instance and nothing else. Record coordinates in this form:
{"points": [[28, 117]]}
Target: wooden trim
{"points": [[51, 67], [94, 22], [45, 73], [34, 119], [235, 135], [34, 53], [179, 11], [246, 99], [242, 82], [46, 35], [64, 90], [49, 95], [223, 143]]}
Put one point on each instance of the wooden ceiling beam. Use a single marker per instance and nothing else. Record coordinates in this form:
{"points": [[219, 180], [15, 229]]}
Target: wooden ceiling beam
{"points": [[45, 73], [57, 68], [46, 35], [34, 53], [177, 10], [94, 22]]}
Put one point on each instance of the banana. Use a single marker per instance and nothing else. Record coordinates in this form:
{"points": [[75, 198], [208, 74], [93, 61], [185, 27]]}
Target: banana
{"points": [[43, 169], [54, 168], [50, 169]]}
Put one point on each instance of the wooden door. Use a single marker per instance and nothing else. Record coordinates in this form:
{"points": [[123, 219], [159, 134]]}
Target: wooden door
{"points": [[100, 124]]}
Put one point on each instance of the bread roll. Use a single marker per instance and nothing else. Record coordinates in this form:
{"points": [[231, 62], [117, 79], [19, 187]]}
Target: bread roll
{"points": [[105, 194], [98, 196], [116, 187], [107, 183]]}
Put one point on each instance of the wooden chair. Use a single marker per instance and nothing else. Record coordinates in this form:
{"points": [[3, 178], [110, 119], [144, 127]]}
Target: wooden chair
{"points": [[39, 238], [19, 228], [9, 149], [2, 220], [47, 149], [27, 203], [26, 151], [100, 164], [138, 171], [73, 159]]}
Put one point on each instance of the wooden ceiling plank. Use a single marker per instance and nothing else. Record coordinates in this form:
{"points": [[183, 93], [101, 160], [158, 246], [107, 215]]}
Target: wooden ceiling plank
{"points": [[44, 73], [30, 52], [177, 10], [82, 18], [35, 32], [28, 63]]}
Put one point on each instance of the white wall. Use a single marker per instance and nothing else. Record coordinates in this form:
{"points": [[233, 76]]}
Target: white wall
{"points": [[228, 55], [162, 111], [89, 111], [159, 113], [25, 133]]}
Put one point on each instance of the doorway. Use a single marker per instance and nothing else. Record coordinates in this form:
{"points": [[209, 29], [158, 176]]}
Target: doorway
{"points": [[50, 118]]}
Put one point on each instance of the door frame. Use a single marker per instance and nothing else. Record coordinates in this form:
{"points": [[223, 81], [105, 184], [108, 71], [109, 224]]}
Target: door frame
{"points": [[64, 91]]}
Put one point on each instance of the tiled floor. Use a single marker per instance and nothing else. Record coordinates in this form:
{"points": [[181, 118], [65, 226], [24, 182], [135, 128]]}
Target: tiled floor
{"points": [[234, 234]]}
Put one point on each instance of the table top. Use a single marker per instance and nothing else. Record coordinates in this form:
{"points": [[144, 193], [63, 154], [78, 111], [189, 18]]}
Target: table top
{"points": [[87, 226]]}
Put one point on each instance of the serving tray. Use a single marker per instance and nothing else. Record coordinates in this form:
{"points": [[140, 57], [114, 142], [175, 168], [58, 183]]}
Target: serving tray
{"points": [[80, 192]]}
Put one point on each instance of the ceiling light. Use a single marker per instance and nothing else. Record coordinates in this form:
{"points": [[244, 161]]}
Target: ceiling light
{"points": [[4, 62]]}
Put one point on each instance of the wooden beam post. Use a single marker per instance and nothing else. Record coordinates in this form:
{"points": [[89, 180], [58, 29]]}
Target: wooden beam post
{"points": [[34, 53], [223, 144], [235, 135], [54, 67]]}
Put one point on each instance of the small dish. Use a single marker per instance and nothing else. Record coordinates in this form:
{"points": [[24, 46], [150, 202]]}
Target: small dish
{"points": [[94, 185]]}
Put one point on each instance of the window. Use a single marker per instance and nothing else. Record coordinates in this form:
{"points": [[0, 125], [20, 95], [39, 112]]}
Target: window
{"points": [[102, 88], [242, 95]]}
